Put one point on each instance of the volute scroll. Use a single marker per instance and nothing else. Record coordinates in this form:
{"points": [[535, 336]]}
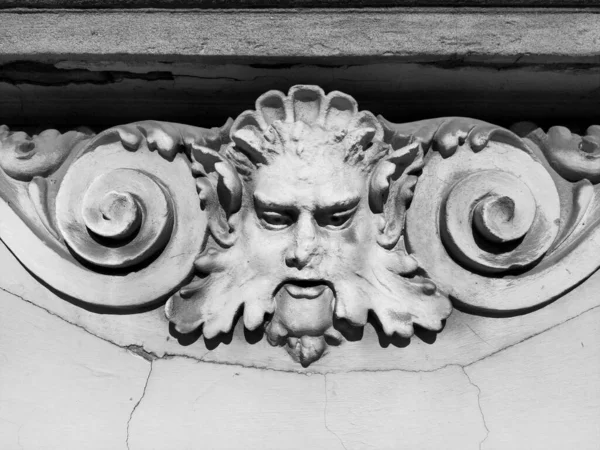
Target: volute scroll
{"points": [[493, 222], [112, 216]]}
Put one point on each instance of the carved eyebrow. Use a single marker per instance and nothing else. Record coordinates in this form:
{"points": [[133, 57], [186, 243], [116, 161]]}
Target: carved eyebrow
{"points": [[269, 204], [341, 204], [338, 205]]}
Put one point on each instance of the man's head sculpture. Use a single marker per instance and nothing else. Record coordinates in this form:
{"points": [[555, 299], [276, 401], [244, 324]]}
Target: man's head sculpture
{"points": [[306, 207]]}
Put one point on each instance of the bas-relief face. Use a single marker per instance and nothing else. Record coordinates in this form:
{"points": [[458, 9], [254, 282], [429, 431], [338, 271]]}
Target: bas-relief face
{"points": [[308, 224], [308, 229]]}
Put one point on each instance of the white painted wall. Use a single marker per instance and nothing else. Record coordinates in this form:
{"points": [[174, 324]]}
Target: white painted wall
{"points": [[62, 387]]}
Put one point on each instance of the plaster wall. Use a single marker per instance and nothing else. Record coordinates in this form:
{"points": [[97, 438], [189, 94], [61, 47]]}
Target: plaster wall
{"points": [[61, 386]]}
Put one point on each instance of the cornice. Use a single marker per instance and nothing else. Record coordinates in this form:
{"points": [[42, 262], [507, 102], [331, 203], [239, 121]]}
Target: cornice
{"points": [[286, 4], [551, 36]]}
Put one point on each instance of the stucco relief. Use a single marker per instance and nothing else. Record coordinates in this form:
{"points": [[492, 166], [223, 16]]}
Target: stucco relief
{"points": [[304, 217]]}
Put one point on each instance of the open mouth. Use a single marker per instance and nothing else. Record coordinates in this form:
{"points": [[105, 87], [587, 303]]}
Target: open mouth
{"points": [[305, 288]]}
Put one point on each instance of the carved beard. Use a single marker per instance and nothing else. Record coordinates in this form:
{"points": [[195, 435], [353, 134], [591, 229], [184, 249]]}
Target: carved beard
{"points": [[232, 281], [380, 284]]}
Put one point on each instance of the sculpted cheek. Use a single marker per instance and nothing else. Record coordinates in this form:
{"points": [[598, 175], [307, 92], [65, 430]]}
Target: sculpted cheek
{"points": [[267, 250], [350, 236]]}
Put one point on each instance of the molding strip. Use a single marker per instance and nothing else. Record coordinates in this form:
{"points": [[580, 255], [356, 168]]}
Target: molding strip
{"points": [[286, 4], [330, 36]]}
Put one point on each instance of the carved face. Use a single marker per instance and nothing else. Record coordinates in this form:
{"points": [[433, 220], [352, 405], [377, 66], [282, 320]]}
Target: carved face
{"points": [[308, 220], [307, 229]]}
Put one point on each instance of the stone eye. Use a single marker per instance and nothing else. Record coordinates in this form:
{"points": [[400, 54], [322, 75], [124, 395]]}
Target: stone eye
{"points": [[337, 219], [277, 220]]}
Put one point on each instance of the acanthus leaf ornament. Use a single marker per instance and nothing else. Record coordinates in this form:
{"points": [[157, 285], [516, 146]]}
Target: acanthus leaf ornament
{"points": [[303, 215], [318, 232]]}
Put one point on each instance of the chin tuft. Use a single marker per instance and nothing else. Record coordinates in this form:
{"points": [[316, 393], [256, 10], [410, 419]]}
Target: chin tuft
{"points": [[306, 349]]}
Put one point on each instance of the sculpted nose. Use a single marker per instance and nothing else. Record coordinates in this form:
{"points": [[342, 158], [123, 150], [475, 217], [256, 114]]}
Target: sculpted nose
{"points": [[304, 248]]}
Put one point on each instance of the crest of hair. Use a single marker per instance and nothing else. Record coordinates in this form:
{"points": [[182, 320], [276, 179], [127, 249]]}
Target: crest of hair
{"points": [[279, 123]]}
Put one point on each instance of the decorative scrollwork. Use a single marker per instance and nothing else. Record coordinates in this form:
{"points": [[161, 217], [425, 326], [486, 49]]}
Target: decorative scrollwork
{"points": [[304, 216], [573, 156], [124, 205], [24, 157], [488, 216], [116, 216], [498, 208]]}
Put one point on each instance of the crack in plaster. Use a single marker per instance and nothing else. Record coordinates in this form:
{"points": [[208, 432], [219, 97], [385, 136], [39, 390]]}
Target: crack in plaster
{"points": [[325, 415], [81, 327], [152, 356], [141, 352], [19, 427], [138, 404], [487, 430], [529, 337]]}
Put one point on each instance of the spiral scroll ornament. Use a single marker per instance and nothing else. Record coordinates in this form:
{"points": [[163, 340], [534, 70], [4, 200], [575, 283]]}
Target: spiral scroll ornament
{"points": [[492, 221], [494, 211], [123, 217], [119, 225]]}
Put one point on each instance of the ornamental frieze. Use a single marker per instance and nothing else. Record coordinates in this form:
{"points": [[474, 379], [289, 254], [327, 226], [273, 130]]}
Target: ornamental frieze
{"points": [[304, 218]]}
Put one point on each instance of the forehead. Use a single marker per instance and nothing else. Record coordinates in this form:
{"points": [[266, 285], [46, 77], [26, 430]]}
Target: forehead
{"points": [[319, 180]]}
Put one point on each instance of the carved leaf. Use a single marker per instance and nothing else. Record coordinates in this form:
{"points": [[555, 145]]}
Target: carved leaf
{"points": [[292, 262]]}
